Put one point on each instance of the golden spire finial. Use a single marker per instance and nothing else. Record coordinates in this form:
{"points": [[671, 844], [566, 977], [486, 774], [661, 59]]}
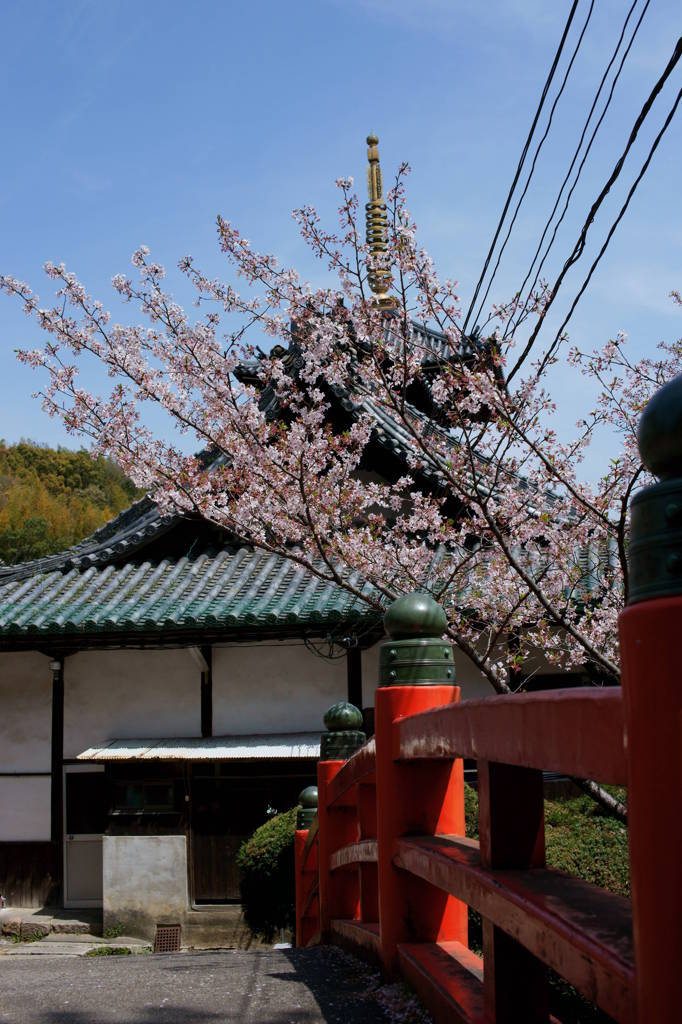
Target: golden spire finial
{"points": [[379, 276]]}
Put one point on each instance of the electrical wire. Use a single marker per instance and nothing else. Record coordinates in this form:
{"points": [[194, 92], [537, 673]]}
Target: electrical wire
{"points": [[511, 325], [535, 160], [612, 230], [579, 247], [521, 162]]}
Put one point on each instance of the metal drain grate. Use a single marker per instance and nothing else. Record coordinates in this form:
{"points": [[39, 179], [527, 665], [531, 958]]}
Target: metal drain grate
{"points": [[167, 939]]}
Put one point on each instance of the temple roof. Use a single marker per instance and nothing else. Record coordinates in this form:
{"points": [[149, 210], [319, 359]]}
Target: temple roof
{"points": [[235, 590]]}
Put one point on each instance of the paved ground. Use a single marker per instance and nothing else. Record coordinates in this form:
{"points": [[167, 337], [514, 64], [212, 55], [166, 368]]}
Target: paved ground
{"points": [[291, 986]]}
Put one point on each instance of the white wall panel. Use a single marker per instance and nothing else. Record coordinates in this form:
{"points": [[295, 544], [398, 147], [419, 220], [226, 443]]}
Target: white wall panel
{"points": [[273, 688], [129, 694], [25, 712], [24, 808]]}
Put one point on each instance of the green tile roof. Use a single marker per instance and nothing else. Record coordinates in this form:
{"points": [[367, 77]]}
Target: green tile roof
{"points": [[231, 589]]}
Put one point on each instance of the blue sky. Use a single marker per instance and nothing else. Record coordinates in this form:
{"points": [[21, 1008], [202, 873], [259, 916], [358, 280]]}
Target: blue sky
{"points": [[128, 123]]}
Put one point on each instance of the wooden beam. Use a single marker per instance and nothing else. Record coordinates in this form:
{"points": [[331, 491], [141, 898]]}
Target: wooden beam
{"points": [[57, 772], [206, 690], [354, 676], [197, 655], [57, 754]]}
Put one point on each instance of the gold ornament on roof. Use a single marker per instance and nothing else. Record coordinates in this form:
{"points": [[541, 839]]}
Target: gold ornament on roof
{"points": [[379, 276]]}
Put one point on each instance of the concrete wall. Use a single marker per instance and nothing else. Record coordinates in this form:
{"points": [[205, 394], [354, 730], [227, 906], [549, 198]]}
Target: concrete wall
{"points": [[274, 687], [129, 694], [145, 883]]}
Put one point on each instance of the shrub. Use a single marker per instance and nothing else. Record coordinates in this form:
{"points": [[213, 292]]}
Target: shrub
{"points": [[267, 883]]}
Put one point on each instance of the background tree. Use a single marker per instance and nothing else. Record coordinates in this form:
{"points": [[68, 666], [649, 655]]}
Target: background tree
{"points": [[533, 559], [51, 499]]}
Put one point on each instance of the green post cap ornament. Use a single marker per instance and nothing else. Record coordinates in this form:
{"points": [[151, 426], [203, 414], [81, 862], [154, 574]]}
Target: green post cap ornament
{"points": [[307, 798], [416, 654], [344, 735], [655, 550]]}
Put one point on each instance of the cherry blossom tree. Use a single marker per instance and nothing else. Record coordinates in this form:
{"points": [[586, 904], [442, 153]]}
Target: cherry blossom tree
{"points": [[489, 511]]}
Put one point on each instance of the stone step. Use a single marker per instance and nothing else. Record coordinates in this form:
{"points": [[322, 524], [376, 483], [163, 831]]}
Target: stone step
{"points": [[63, 925], [56, 944], [27, 924]]}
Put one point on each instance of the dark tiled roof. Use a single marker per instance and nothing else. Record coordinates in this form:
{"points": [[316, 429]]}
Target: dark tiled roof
{"points": [[227, 589]]}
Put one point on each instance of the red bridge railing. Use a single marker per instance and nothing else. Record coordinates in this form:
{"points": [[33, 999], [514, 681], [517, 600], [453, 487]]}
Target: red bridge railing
{"points": [[386, 869]]}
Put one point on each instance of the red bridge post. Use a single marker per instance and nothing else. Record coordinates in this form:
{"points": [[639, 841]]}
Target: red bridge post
{"points": [[650, 637], [338, 823], [305, 865], [416, 673]]}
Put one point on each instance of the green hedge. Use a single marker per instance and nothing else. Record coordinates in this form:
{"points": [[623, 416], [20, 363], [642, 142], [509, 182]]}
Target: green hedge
{"points": [[267, 884], [580, 839]]}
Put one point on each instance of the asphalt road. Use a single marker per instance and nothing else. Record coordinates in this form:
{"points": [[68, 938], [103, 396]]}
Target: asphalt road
{"points": [[257, 987]]}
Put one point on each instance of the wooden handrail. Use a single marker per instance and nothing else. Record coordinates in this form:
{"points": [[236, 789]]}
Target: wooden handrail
{"points": [[576, 732]]}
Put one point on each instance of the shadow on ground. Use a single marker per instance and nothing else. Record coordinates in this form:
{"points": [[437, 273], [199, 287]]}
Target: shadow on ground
{"points": [[310, 986]]}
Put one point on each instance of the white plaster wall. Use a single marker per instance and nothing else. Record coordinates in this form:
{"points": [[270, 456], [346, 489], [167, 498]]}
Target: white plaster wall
{"points": [[129, 694], [25, 712], [467, 676], [273, 688], [144, 882], [24, 809]]}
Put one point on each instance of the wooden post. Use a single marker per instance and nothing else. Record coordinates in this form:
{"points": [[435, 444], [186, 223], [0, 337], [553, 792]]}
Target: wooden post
{"points": [[354, 676], [417, 673], [307, 900], [650, 632], [207, 692], [512, 835], [339, 891], [57, 770], [306, 871], [414, 799]]}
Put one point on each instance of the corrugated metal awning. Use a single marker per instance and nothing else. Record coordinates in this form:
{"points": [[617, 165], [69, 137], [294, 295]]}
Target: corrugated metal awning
{"points": [[211, 748]]}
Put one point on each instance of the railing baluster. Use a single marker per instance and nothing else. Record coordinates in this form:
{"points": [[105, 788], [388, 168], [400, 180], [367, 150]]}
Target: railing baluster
{"points": [[512, 835], [367, 828]]}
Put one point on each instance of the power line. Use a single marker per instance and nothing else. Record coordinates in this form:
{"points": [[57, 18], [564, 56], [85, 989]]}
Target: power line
{"points": [[535, 160], [579, 247], [511, 326], [522, 159], [615, 224]]}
